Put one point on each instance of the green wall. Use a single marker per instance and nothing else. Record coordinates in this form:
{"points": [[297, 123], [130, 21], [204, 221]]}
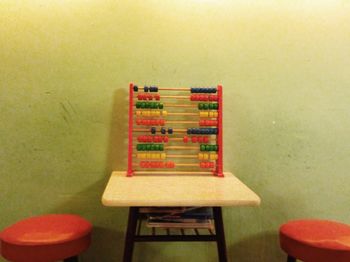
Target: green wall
{"points": [[285, 66]]}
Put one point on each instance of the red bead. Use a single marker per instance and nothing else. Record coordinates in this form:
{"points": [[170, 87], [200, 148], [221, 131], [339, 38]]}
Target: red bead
{"points": [[200, 139], [166, 139], [185, 139], [157, 96], [194, 139], [161, 122], [205, 139]]}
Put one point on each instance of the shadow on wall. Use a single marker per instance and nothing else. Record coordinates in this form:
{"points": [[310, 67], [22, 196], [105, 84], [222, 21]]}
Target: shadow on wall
{"points": [[108, 223]]}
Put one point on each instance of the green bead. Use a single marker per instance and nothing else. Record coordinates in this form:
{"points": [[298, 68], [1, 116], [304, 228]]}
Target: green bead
{"points": [[148, 147], [138, 147], [202, 147], [216, 106], [211, 106], [153, 105], [143, 105], [205, 106], [207, 147], [161, 147], [200, 106], [160, 105], [138, 104], [153, 147]]}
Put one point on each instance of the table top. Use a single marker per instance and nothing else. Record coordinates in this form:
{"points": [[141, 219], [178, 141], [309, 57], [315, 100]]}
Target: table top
{"points": [[171, 190]]}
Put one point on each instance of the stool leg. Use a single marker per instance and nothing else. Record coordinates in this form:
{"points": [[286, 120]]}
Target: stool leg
{"points": [[291, 259], [130, 234], [71, 259], [220, 234]]}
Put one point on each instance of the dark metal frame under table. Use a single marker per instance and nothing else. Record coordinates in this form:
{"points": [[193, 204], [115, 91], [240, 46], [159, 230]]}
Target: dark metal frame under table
{"points": [[133, 235]]}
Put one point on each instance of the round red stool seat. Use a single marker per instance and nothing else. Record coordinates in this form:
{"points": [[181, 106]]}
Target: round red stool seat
{"points": [[45, 238], [316, 240]]}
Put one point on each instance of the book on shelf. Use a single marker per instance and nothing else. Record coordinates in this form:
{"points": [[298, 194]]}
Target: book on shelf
{"points": [[180, 217]]}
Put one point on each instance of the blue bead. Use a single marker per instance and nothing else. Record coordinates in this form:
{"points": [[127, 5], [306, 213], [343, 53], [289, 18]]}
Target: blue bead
{"points": [[136, 88], [163, 130], [153, 130], [155, 89], [145, 88], [170, 130], [216, 130], [188, 131]]}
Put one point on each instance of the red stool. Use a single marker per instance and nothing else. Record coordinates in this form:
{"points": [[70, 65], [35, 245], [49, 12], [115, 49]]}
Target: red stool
{"points": [[46, 238], [316, 241]]}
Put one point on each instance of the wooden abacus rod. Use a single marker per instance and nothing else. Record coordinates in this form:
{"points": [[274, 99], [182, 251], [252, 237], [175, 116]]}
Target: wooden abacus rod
{"points": [[182, 114], [175, 88], [181, 147], [182, 156], [181, 122], [173, 173]]}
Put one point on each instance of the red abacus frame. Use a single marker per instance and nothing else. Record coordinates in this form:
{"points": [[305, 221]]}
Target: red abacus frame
{"points": [[152, 155]]}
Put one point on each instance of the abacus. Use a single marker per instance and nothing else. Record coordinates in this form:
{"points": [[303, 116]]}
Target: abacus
{"points": [[175, 130]]}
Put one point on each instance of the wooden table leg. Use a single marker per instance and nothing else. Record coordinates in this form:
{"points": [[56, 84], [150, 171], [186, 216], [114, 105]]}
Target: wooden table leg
{"points": [[130, 234], [220, 234]]}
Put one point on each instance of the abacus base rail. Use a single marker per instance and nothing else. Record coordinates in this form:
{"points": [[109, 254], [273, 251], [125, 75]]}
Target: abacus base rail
{"points": [[133, 235]]}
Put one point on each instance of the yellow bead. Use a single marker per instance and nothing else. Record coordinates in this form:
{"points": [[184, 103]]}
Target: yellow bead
{"points": [[138, 112], [200, 156], [213, 156], [157, 113], [163, 156], [205, 156], [211, 114], [164, 113], [216, 114], [148, 155]]}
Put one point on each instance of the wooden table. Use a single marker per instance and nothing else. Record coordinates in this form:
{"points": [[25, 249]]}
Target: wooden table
{"points": [[171, 190]]}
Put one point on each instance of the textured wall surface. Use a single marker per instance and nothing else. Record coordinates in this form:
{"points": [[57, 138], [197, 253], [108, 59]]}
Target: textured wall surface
{"points": [[285, 66]]}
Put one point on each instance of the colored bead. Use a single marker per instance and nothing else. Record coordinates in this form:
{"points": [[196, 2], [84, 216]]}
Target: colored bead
{"points": [[136, 88], [203, 148], [200, 156], [163, 130], [200, 139], [145, 88], [160, 106], [160, 147], [153, 130], [213, 156], [205, 156], [163, 156], [205, 106], [185, 139], [194, 139], [170, 130], [188, 131], [200, 106], [157, 97], [166, 139]]}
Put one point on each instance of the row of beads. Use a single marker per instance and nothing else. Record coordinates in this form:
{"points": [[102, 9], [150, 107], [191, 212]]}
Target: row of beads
{"points": [[151, 113], [208, 114], [203, 90], [206, 164], [157, 164], [156, 139], [195, 139], [148, 97], [202, 131], [150, 122], [162, 130], [161, 122], [206, 106], [204, 156], [146, 88], [212, 114], [209, 147], [204, 98], [208, 122], [155, 105], [201, 156], [151, 156], [150, 147]]}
